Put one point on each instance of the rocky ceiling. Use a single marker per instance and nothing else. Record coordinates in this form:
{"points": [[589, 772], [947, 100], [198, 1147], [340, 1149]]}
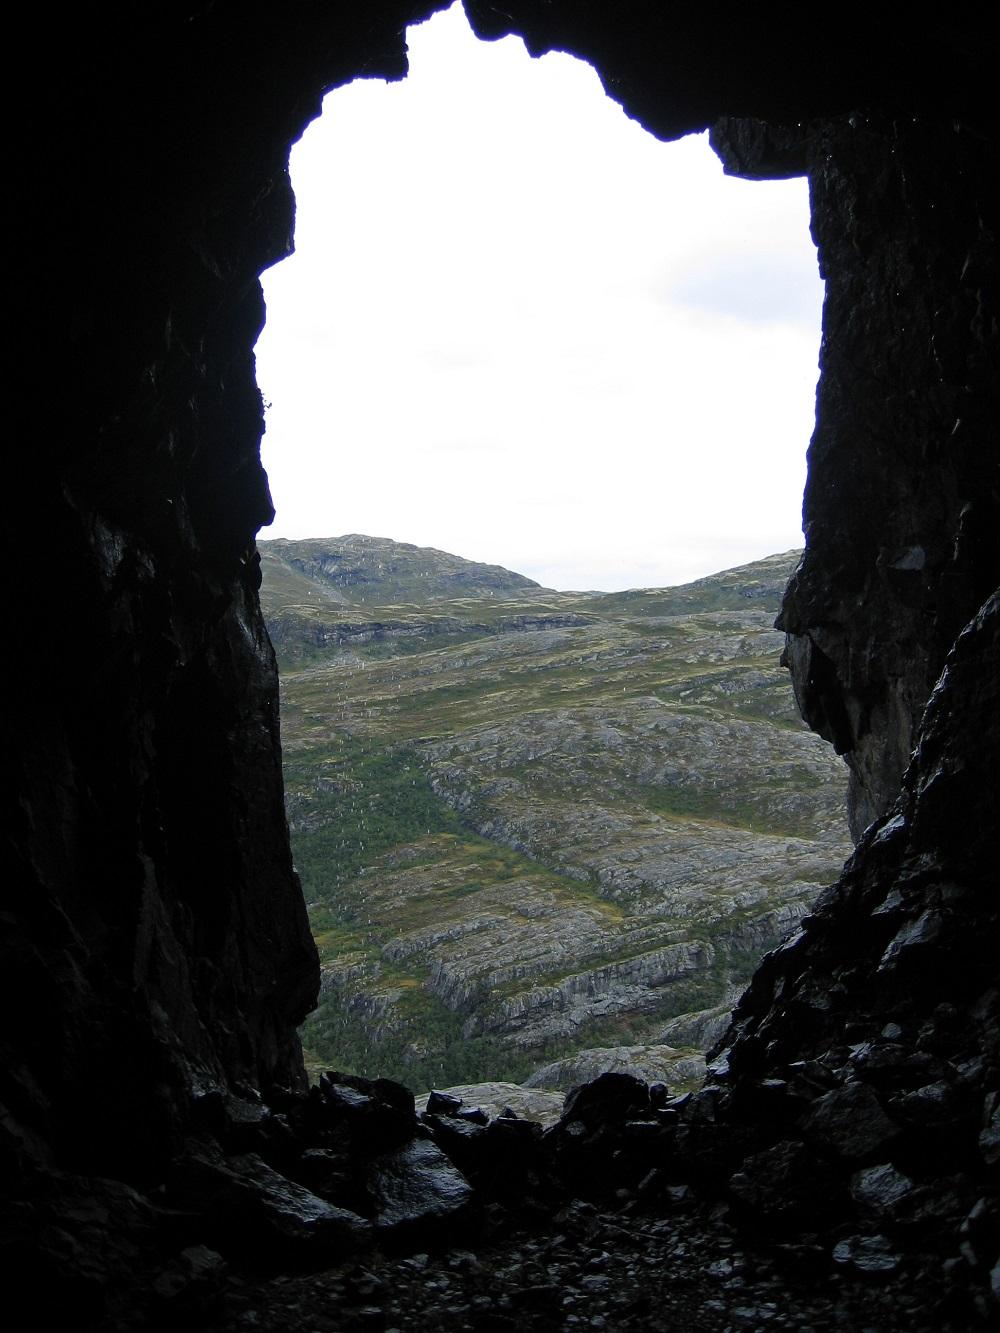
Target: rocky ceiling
{"points": [[155, 948]]}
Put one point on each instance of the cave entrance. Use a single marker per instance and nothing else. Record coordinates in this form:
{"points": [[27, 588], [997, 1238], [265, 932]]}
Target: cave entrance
{"points": [[512, 328]]}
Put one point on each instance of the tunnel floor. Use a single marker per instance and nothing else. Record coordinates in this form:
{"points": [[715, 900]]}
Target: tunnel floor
{"points": [[593, 1269]]}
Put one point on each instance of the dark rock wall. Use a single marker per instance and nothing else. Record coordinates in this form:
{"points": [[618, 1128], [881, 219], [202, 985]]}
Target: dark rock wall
{"points": [[154, 940], [902, 508], [858, 1089]]}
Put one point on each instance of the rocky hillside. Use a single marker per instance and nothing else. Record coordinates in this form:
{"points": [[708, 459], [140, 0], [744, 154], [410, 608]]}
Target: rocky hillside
{"points": [[533, 827], [355, 570]]}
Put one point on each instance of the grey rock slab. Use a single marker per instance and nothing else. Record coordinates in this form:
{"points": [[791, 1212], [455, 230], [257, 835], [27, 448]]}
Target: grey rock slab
{"points": [[666, 1064], [442, 1103], [703, 1027], [530, 1103], [417, 1185], [934, 1103], [915, 937]]}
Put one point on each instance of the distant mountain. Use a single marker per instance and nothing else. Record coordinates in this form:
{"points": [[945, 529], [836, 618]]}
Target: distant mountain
{"points": [[325, 595], [763, 581], [359, 570], [533, 827]]}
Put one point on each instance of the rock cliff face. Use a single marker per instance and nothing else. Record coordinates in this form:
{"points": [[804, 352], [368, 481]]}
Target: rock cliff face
{"points": [[894, 565], [154, 942]]}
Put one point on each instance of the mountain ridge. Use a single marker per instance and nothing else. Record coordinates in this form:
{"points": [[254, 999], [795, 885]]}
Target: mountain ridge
{"points": [[352, 566], [307, 614]]}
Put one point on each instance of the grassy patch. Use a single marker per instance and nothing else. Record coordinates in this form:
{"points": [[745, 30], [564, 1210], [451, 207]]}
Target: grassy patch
{"points": [[428, 1051], [364, 800], [752, 807]]}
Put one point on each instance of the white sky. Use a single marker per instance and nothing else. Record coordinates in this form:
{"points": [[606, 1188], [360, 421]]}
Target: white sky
{"points": [[519, 328]]}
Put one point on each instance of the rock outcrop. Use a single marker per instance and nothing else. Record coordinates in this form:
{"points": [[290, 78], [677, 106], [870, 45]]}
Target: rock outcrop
{"points": [[680, 1070]]}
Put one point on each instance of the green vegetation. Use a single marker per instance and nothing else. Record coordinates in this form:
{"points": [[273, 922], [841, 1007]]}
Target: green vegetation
{"points": [[439, 1057], [361, 801], [507, 804], [750, 806]]}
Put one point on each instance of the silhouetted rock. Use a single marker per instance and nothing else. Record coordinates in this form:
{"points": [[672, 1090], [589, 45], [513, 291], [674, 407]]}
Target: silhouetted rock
{"points": [[443, 1103], [253, 1212], [376, 1114], [607, 1100]]}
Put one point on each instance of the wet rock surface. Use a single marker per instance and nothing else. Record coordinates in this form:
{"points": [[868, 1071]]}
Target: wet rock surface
{"points": [[866, 1214], [863, 1063], [417, 1187]]}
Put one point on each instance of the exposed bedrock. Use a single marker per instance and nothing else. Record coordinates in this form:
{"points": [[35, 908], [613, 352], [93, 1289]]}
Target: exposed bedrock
{"points": [[154, 943], [902, 506]]}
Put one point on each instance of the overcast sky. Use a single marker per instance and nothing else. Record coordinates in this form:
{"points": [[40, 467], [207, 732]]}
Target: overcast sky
{"points": [[519, 328]]}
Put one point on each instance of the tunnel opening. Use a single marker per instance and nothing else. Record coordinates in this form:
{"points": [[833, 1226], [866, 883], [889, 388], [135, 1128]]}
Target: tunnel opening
{"points": [[503, 325]]}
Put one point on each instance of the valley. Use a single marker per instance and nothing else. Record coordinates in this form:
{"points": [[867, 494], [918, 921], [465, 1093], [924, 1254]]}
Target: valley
{"points": [[540, 834]]}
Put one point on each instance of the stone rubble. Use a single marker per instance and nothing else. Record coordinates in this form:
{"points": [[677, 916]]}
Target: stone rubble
{"points": [[601, 1221], [593, 1269]]}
